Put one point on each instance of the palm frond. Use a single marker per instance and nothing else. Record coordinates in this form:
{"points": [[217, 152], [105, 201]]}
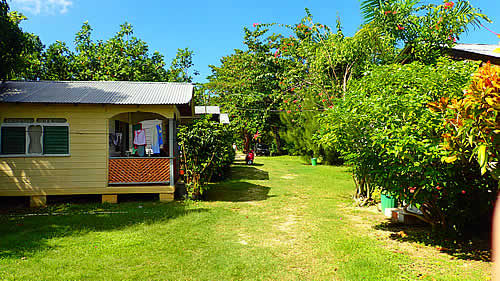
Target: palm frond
{"points": [[369, 8]]}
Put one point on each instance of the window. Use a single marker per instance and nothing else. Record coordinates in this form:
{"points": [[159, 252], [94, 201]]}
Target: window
{"points": [[34, 139]]}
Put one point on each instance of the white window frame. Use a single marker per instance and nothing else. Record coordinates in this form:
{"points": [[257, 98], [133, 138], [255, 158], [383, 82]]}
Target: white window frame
{"points": [[26, 125]]}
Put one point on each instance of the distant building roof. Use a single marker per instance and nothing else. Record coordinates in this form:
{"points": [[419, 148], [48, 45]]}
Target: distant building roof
{"points": [[212, 110], [224, 118], [96, 92], [207, 109], [483, 52]]}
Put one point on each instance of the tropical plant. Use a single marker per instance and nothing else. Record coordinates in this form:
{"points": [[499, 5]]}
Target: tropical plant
{"points": [[472, 122], [206, 148], [384, 130], [422, 30]]}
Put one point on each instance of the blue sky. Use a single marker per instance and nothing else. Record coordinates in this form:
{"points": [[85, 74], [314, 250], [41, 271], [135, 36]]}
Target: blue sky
{"points": [[211, 29]]}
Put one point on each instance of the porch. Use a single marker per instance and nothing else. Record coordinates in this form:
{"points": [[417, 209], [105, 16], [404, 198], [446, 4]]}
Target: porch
{"points": [[143, 150]]}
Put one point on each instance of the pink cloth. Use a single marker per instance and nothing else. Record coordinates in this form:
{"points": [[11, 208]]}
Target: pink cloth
{"points": [[139, 137]]}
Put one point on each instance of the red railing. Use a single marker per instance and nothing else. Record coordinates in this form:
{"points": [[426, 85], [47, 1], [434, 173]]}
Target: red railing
{"points": [[139, 170]]}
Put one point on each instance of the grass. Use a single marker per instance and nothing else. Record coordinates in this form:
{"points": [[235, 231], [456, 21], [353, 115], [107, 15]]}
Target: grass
{"points": [[277, 220]]}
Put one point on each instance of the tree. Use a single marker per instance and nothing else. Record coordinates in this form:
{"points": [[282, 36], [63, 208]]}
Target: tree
{"points": [[246, 87], [123, 57], [320, 65], [58, 62], [423, 31], [11, 41]]}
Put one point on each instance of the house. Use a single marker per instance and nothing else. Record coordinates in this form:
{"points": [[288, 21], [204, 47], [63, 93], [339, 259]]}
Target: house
{"points": [[480, 52], [90, 137], [213, 110]]}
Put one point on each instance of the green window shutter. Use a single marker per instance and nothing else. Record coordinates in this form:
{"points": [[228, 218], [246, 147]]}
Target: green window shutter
{"points": [[13, 140], [55, 140]]}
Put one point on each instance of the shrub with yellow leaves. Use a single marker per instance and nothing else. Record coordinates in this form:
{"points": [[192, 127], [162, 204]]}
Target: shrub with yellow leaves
{"points": [[473, 122]]}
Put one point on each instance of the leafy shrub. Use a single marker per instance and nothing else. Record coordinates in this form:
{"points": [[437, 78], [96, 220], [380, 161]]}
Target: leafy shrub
{"points": [[207, 153], [472, 122], [384, 129]]}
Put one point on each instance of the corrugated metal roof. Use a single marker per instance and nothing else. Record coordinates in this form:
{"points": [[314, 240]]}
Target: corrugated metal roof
{"points": [[206, 109], [483, 49], [96, 92]]}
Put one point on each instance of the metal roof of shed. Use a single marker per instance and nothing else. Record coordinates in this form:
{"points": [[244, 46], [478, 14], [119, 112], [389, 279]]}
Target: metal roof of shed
{"points": [[481, 52], [96, 92], [483, 49], [206, 109]]}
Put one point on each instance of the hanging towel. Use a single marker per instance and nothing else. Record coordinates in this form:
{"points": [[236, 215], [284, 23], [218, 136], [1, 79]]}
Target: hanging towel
{"points": [[139, 137], [155, 146], [160, 133]]}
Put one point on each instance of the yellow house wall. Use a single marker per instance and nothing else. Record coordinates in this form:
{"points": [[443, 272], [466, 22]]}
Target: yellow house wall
{"points": [[85, 170]]}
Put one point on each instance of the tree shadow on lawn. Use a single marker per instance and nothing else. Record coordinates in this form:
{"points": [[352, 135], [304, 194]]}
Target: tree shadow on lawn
{"points": [[236, 191], [248, 173], [471, 249], [27, 232]]}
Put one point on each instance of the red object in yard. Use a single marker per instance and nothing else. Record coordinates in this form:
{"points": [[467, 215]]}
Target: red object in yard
{"points": [[250, 157]]}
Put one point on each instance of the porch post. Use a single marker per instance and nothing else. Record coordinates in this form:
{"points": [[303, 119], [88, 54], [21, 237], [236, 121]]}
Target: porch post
{"points": [[171, 149]]}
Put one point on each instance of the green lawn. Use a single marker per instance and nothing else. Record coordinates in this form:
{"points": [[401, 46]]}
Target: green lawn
{"points": [[277, 220]]}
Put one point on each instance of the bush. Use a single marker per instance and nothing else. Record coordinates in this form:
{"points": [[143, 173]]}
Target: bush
{"points": [[384, 129], [472, 122], [207, 153]]}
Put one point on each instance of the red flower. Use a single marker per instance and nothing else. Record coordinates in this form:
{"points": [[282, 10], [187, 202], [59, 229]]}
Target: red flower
{"points": [[288, 111], [439, 187], [285, 101], [331, 106], [320, 94], [292, 89], [449, 5], [412, 189], [387, 12], [463, 191], [294, 101], [323, 100], [300, 105], [400, 27]]}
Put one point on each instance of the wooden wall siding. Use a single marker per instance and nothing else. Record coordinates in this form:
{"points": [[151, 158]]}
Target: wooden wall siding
{"points": [[139, 170], [85, 171]]}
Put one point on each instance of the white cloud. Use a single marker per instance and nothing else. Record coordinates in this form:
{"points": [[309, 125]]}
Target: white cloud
{"points": [[43, 6]]}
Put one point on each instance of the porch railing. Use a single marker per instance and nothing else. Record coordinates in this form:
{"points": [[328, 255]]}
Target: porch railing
{"points": [[139, 170]]}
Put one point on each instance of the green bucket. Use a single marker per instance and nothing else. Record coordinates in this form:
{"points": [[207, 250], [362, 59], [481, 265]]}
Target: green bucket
{"points": [[314, 161], [387, 202]]}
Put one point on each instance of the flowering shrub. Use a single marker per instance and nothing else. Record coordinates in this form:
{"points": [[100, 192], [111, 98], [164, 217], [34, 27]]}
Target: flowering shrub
{"points": [[384, 129]]}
